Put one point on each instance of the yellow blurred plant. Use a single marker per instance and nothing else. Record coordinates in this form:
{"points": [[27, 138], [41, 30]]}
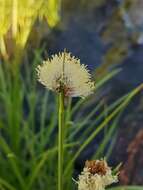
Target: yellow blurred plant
{"points": [[18, 17]]}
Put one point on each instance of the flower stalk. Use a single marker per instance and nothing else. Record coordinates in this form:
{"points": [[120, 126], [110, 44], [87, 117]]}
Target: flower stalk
{"points": [[65, 75], [60, 140]]}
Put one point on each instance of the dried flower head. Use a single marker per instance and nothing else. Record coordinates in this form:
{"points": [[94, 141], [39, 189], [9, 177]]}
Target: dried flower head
{"points": [[64, 72], [96, 175]]}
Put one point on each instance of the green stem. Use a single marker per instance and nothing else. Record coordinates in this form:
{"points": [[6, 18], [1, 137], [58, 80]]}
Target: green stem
{"points": [[60, 141]]}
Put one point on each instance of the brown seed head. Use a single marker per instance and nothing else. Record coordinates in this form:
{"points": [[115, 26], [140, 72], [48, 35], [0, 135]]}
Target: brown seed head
{"points": [[96, 167]]}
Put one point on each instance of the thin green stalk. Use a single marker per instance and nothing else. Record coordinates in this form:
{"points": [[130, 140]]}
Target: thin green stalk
{"points": [[60, 141]]}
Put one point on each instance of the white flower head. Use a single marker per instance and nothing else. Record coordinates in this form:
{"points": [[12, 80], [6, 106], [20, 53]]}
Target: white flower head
{"points": [[64, 72], [96, 175]]}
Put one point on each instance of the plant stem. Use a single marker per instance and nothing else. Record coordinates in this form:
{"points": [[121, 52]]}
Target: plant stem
{"points": [[60, 141]]}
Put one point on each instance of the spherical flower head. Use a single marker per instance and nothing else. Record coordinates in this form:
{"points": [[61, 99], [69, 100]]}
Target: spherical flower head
{"points": [[96, 175], [64, 73]]}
